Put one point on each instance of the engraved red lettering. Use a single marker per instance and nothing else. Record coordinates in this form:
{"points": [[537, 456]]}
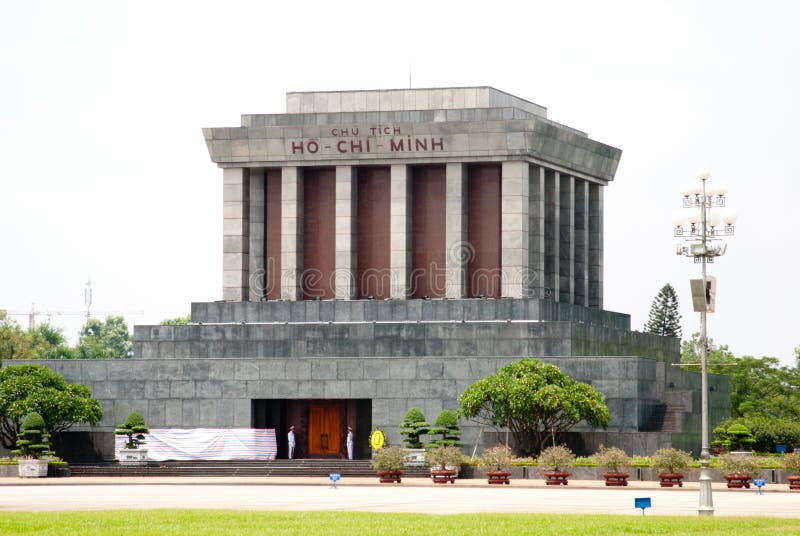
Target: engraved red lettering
{"points": [[434, 143], [335, 132], [356, 145], [354, 131], [397, 131], [421, 144], [312, 146], [395, 145], [342, 146], [296, 147]]}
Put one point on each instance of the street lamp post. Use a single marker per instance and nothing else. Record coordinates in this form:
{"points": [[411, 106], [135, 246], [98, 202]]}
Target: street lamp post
{"points": [[704, 228]]}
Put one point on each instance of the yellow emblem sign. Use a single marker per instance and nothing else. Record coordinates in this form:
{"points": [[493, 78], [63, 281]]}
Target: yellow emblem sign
{"points": [[377, 439]]}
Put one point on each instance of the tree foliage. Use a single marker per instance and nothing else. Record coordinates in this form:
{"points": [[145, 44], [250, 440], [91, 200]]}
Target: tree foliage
{"points": [[103, 339], [759, 386], [14, 341], [35, 388], [664, 317], [177, 321], [413, 426], [535, 401]]}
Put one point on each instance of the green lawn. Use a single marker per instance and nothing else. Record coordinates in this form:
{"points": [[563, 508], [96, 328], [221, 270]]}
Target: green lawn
{"points": [[196, 522]]}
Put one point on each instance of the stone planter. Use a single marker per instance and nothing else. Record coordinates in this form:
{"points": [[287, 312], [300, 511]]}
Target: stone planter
{"points": [[389, 476], [738, 480], [32, 468], [133, 457], [443, 476], [794, 481], [616, 478], [669, 480], [556, 478], [499, 477], [415, 457]]}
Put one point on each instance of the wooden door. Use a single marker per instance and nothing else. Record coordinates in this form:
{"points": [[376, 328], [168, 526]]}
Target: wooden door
{"points": [[324, 429]]}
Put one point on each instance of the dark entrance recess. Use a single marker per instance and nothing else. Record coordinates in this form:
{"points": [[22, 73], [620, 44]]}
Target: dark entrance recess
{"points": [[320, 425]]}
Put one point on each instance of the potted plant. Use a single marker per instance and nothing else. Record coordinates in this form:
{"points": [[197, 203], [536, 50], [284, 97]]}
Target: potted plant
{"points": [[670, 463], [738, 470], [613, 458], [32, 444], [734, 438], [389, 463], [444, 463], [553, 461], [446, 426], [135, 429], [791, 462], [412, 427], [496, 461]]}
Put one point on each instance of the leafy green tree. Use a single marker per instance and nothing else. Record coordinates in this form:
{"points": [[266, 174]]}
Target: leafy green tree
{"points": [[535, 401], [759, 386], [49, 342], [15, 343], [664, 318], [446, 426], [413, 426], [36, 388], [177, 321], [103, 339]]}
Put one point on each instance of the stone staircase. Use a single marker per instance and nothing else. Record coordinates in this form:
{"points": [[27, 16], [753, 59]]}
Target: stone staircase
{"points": [[665, 418], [306, 467]]}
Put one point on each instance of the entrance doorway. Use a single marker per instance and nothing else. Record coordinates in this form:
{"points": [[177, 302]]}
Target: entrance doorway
{"points": [[324, 429]]}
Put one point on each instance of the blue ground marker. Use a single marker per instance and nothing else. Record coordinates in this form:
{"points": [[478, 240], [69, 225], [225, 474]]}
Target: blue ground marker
{"points": [[641, 502], [335, 477]]}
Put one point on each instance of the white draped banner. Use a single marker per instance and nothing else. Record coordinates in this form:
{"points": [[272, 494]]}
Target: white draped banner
{"points": [[207, 444]]}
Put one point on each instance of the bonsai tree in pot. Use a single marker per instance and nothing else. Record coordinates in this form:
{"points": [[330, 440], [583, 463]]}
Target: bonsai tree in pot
{"points": [[670, 463], [738, 470], [553, 461], [734, 438], [134, 428], [444, 462], [32, 444], [389, 463], [412, 427], [613, 459], [497, 461], [446, 426], [791, 462]]}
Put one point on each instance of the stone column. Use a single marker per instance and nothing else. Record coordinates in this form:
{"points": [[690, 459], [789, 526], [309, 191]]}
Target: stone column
{"points": [[346, 241], [291, 233], [552, 233], [581, 242], [514, 202], [536, 227], [566, 249], [596, 246], [257, 280], [235, 233], [400, 230], [457, 250]]}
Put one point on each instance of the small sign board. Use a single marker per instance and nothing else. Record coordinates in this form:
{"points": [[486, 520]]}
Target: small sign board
{"points": [[780, 449], [334, 478], [642, 502], [759, 483]]}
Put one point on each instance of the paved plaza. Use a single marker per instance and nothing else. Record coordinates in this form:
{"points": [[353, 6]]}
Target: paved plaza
{"points": [[416, 495]]}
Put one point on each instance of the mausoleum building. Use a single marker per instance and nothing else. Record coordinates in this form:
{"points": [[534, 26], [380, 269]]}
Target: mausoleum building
{"points": [[386, 249]]}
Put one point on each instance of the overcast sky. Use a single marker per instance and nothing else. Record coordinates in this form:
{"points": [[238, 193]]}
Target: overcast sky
{"points": [[105, 173]]}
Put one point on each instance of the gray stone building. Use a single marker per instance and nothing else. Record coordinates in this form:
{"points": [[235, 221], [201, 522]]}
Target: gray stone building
{"points": [[386, 249]]}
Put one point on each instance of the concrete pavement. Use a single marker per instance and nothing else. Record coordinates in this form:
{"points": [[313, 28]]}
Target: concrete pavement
{"points": [[366, 494]]}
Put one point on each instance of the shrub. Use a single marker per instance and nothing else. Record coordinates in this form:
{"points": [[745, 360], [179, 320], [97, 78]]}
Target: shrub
{"points": [[443, 458], [389, 458], [767, 431], [446, 425], [670, 460], [413, 426], [612, 458], [791, 462], [497, 458], [737, 436], [134, 428], [556, 458], [730, 464], [32, 441]]}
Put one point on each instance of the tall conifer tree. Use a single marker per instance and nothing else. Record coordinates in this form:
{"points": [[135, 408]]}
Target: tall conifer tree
{"points": [[664, 316]]}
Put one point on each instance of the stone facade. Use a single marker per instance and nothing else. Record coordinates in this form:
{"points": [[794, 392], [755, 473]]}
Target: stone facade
{"points": [[468, 192]]}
